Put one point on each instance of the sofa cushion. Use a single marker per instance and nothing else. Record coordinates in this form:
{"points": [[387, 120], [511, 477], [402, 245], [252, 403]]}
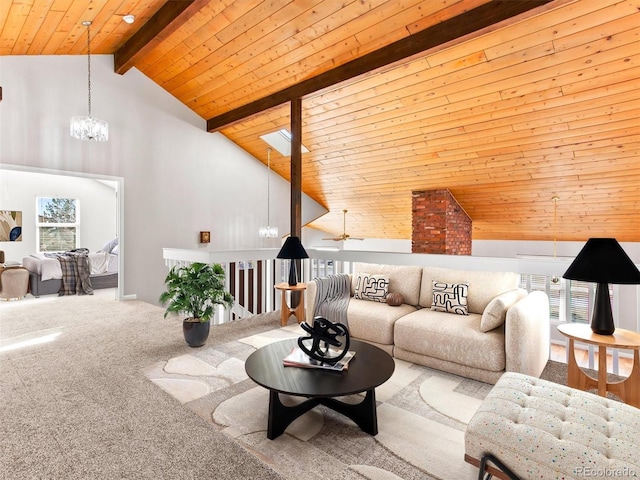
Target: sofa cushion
{"points": [[496, 312], [450, 297], [371, 287], [483, 286], [453, 338], [402, 279], [373, 321]]}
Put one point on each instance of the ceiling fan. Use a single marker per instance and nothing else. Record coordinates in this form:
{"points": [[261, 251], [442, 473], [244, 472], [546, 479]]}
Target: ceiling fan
{"points": [[344, 235]]}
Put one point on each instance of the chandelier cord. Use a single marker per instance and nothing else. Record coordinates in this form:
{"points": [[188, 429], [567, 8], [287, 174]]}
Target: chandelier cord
{"points": [[89, 65], [555, 223], [268, 185], [555, 279]]}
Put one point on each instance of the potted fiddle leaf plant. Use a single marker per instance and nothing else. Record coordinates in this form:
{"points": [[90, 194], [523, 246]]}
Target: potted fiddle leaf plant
{"points": [[195, 290]]}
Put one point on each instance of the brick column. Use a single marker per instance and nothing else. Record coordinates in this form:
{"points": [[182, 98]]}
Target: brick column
{"points": [[439, 224]]}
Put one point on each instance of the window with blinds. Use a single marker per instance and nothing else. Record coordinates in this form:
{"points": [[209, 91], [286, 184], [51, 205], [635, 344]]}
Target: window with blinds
{"points": [[321, 268], [580, 299], [57, 224], [569, 300]]}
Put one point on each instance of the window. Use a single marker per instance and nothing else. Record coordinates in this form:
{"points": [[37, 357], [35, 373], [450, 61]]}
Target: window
{"points": [[569, 300], [57, 222], [281, 141], [582, 300], [321, 268]]}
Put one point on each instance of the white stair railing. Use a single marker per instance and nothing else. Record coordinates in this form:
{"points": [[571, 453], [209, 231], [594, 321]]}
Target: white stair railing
{"points": [[252, 274]]}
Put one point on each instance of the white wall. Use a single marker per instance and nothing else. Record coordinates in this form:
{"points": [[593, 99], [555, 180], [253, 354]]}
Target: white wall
{"points": [[480, 248], [313, 238], [96, 200], [178, 179], [513, 248]]}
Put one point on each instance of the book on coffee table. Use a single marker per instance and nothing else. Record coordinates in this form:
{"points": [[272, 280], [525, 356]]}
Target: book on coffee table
{"points": [[297, 358]]}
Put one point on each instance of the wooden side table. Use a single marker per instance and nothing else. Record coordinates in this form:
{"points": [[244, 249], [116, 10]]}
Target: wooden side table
{"points": [[629, 389], [297, 310]]}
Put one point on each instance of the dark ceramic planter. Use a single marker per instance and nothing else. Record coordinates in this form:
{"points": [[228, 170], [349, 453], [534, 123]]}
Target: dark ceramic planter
{"points": [[195, 333]]}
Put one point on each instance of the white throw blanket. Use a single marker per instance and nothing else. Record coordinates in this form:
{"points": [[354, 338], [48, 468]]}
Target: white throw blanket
{"points": [[99, 262], [332, 298]]}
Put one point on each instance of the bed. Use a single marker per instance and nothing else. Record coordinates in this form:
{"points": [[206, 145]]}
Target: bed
{"points": [[45, 273]]}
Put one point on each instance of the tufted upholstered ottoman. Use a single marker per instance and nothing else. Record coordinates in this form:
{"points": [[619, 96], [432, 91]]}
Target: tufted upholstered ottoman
{"points": [[540, 429]]}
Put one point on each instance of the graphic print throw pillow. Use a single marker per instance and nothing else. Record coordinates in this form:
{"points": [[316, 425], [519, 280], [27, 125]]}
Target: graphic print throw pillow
{"points": [[450, 297], [371, 287]]}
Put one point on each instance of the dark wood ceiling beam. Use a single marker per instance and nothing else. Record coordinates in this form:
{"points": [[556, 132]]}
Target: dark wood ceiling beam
{"points": [[296, 167], [171, 16], [469, 22]]}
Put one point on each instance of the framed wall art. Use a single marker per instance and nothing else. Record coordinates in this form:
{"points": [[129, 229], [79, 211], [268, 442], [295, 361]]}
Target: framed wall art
{"points": [[10, 226]]}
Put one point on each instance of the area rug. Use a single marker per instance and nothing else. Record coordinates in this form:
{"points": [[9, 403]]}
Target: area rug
{"points": [[422, 415]]}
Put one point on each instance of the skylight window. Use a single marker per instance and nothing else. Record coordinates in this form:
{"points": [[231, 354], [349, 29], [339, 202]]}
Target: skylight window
{"points": [[281, 142]]}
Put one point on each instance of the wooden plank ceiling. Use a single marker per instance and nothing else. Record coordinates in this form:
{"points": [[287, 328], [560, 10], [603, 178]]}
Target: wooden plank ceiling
{"points": [[544, 104]]}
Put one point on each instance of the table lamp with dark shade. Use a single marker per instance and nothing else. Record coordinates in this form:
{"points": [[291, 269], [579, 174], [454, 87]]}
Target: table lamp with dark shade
{"points": [[603, 261], [292, 250]]}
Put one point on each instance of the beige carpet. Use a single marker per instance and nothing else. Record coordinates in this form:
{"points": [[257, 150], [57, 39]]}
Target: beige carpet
{"points": [[76, 402], [75, 405], [422, 414]]}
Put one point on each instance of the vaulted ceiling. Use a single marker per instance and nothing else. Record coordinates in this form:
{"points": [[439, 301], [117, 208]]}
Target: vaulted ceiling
{"points": [[506, 104]]}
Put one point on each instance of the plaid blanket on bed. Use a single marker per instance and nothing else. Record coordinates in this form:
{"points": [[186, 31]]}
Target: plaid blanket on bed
{"points": [[75, 272]]}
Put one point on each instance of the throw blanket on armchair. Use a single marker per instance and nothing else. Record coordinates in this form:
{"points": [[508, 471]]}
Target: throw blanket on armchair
{"points": [[332, 298]]}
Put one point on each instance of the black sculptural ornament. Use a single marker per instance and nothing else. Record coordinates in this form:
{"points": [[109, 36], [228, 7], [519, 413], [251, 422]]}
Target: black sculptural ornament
{"points": [[329, 341]]}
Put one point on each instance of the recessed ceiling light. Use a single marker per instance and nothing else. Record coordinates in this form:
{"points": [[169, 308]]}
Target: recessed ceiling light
{"points": [[129, 18]]}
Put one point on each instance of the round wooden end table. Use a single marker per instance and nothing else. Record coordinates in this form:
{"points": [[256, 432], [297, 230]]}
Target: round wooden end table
{"points": [[297, 310], [628, 389]]}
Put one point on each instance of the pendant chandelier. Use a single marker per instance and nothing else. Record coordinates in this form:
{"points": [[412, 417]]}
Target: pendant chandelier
{"points": [[268, 231], [89, 128]]}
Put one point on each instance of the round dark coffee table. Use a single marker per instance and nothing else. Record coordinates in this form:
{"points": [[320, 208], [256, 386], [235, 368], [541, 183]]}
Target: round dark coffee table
{"points": [[370, 368]]}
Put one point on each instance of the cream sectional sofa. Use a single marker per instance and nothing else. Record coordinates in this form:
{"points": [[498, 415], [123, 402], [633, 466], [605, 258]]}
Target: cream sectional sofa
{"points": [[506, 328]]}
